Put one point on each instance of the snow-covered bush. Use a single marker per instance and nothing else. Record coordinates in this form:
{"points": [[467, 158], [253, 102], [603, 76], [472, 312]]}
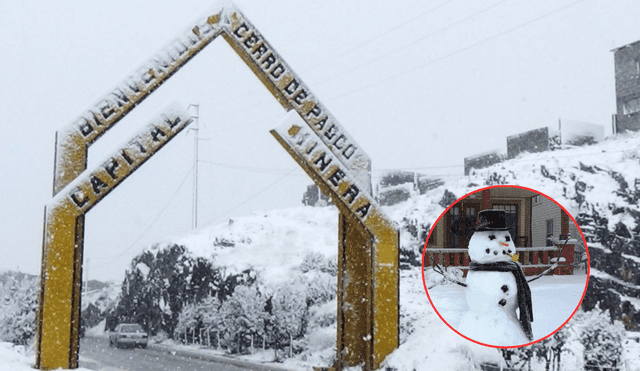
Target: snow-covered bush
{"points": [[209, 309], [602, 340], [321, 287], [18, 306], [589, 338], [187, 320], [243, 317], [289, 313], [318, 262]]}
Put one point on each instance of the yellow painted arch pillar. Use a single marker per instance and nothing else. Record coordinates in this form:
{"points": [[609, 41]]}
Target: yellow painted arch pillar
{"points": [[368, 260], [59, 309]]}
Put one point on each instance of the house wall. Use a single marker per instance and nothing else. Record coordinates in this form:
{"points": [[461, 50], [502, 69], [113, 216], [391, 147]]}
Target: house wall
{"points": [[438, 233], [541, 212], [545, 210]]}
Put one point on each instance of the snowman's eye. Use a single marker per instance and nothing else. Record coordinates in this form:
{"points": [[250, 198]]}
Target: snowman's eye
{"points": [[507, 238], [492, 237], [487, 250]]}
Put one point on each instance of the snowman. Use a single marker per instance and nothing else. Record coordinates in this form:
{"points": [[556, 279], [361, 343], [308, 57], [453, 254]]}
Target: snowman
{"points": [[496, 287]]}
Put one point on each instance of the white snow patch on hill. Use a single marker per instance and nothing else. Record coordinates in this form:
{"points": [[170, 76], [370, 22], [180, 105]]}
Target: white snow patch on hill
{"points": [[274, 243], [102, 298]]}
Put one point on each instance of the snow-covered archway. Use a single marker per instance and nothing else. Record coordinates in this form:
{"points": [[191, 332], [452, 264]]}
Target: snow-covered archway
{"points": [[368, 329]]}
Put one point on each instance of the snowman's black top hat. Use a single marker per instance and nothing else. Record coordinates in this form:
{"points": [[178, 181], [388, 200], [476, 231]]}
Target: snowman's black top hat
{"points": [[492, 220]]}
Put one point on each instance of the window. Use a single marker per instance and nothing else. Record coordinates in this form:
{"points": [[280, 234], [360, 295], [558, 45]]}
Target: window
{"points": [[549, 232], [631, 106], [461, 224], [433, 238], [509, 208]]}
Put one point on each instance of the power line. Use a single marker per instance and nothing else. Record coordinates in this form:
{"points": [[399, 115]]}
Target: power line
{"points": [[244, 95], [441, 58], [152, 223], [446, 56], [412, 43], [253, 196], [289, 171], [252, 169], [377, 37]]}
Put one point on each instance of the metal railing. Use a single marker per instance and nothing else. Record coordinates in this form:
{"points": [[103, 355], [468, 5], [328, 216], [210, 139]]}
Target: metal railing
{"points": [[534, 260]]}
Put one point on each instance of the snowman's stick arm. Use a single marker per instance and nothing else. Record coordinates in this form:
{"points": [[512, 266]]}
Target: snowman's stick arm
{"points": [[555, 265], [439, 269]]}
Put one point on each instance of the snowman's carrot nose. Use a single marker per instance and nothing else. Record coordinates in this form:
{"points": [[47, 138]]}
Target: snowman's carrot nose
{"points": [[504, 243]]}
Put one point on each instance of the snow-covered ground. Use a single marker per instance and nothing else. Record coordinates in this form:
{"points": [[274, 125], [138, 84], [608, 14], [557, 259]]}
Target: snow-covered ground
{"points": [[555, 299], [17, 358]]}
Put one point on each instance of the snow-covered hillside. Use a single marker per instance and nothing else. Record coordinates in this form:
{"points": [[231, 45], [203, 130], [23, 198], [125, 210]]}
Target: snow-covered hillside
{"points": [[596, 184], [600, 186], [273, 243]]}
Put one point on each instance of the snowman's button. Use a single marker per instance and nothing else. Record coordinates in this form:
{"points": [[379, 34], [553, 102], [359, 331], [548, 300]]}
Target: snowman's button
{"points": [[505, 288], [502, 302]]}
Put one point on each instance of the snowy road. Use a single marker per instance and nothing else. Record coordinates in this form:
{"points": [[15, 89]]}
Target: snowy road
{"points": [[95, 354]]}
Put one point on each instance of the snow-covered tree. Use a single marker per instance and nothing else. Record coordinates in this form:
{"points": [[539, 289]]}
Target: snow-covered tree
{"points": [[321, 287], [202, 316], [601, 338], [187, 320], [550, 350], [289, 313], [209, 308], [159, 283], [318, 262], [211, 319], [589, 336], [18, 306], [243, 314]]}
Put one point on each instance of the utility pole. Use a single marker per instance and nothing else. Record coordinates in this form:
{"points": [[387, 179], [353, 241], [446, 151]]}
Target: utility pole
{"points": [[86, 275], [196, 138], [560, 130]]}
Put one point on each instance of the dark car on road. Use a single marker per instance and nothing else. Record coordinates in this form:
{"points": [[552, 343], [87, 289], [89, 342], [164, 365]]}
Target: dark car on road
{"points": [[128, 334]]}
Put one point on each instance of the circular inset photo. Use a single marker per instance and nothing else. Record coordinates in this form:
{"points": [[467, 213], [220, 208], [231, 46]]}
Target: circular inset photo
{"points": [[505, 266]]}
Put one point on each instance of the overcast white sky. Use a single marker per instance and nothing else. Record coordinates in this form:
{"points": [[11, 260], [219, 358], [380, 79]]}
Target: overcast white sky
{"points": [[420, 86]]}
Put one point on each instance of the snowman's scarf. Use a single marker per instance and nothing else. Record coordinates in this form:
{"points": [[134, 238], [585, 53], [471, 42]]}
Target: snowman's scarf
{"points": [[524, 293]]}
